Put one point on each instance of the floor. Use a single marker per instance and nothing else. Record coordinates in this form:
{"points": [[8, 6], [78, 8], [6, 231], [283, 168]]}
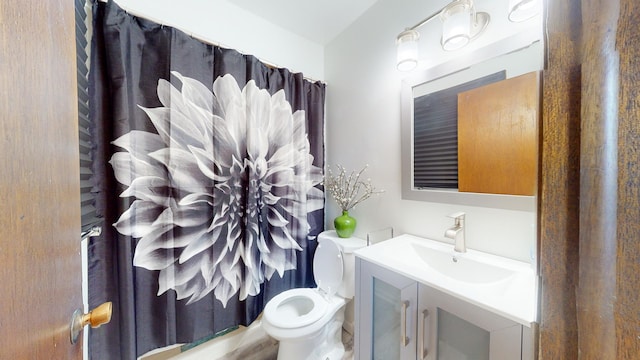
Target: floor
{"points": [[267, 349], [261, 347]]}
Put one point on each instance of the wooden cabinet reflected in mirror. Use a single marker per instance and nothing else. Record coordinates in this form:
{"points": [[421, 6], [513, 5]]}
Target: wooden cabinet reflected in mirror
{"points": [[498, 137]]}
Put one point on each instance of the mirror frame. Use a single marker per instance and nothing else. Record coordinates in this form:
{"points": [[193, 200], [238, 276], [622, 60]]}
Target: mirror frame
{"points": [[409, 192]]}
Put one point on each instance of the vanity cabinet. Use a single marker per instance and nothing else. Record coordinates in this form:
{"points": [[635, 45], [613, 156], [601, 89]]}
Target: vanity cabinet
{"points": [[400, 318], [385, 314]]}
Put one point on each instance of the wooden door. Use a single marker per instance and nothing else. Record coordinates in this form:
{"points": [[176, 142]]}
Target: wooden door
{"points": [[590, 182], [40, 265]]}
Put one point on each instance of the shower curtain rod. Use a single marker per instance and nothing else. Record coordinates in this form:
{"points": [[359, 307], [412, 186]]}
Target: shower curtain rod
{"points": [[209, 41]]}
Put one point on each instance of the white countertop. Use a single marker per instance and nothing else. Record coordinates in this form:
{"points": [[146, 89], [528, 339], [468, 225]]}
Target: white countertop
{"points": [[513, 297]]}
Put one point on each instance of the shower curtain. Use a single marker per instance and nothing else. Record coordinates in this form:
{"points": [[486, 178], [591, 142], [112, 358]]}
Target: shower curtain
{"points": [[209, 175]]}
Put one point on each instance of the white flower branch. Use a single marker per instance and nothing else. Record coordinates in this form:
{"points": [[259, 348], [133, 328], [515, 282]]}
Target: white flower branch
{"points": [[349, 191]]}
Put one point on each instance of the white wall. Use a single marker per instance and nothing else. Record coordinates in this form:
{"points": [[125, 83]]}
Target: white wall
{"points": [[232, 27], [363, 127]]}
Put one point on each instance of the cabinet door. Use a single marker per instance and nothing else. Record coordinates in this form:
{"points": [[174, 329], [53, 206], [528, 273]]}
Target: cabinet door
{"points": [[386, 307], [450, 328]]}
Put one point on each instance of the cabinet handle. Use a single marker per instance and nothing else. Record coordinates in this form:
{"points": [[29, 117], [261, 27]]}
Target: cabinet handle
{"points": [[424, 336], [405, 339]]}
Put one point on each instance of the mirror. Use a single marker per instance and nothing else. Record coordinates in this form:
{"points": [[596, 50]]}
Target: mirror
{"points": [[515, 61]]}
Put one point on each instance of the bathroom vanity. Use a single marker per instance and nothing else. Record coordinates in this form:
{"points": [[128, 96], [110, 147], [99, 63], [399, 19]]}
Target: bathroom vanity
{"points": [[419, 299]]}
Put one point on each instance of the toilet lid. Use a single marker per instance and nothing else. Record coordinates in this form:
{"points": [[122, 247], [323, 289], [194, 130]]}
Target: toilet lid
{"points": [[327, 267]]}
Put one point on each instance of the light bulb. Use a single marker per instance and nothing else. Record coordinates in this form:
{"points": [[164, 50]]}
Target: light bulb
{"points": [[456, 26], [407, 50]]}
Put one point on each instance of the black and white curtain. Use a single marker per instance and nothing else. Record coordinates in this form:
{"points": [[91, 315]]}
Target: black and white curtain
{"points": [[209, 171]]}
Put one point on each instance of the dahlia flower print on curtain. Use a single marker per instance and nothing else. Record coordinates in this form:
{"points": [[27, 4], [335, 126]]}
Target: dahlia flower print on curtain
{"points": [[222, 189]]}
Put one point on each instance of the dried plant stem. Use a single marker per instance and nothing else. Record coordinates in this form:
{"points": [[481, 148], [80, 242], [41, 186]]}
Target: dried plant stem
{"points": [[349, 191]]}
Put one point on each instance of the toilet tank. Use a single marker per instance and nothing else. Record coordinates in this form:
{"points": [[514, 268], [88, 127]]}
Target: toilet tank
{"points": [[347, 246]]}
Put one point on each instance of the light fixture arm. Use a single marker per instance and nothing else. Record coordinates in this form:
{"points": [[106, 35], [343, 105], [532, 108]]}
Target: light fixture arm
{"points": [[426, 20], [439, 12], [456, 33], [479, 21]]}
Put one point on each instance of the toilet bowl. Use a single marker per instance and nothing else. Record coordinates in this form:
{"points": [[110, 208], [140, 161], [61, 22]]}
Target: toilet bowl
{"points": [[308, 322]]}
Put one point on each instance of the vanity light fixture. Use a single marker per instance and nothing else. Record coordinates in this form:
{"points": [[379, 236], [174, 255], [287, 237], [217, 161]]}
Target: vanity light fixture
{"points": [[460, 25], [521, 10]]}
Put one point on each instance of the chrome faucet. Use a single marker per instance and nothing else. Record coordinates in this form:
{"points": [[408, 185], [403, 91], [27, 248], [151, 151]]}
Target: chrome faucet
{"points": [[457, 232]]}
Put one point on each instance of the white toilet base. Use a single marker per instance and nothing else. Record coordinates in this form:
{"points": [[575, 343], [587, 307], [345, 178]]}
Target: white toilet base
{"points": [[325, 344]]}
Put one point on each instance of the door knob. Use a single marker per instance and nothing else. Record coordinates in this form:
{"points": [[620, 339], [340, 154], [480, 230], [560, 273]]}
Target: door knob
{"points": [[96, 317]]}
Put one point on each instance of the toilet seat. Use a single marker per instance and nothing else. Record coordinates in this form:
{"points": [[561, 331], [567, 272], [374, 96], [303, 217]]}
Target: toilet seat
{"points": [[295, 308]]}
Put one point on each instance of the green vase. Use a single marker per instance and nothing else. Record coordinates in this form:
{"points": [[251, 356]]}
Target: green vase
{"points": [[345, 225]]}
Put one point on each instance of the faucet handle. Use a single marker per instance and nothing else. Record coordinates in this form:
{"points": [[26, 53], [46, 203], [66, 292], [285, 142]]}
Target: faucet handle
{"points": [[458, 215]]}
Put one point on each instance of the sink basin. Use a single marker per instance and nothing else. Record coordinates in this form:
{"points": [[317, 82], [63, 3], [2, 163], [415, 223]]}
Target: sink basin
{"points": [[501, 285], [460, 266]]}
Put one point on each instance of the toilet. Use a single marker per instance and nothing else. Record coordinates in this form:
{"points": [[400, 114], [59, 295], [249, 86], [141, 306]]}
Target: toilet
{"points": [[308, 322]]}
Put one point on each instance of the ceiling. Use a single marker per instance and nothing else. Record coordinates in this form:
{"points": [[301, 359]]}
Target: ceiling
{"points": [[315, 20]]}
